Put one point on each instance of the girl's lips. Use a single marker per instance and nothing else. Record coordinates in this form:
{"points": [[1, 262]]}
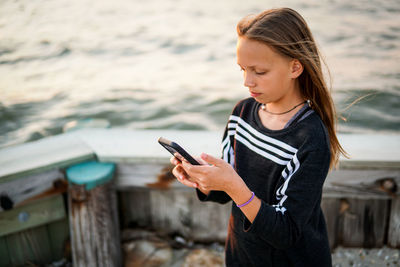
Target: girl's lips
{"points": [[253, 94]]}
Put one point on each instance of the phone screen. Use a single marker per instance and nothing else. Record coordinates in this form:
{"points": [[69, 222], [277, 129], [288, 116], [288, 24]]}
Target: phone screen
{"points": [[177, 151]]}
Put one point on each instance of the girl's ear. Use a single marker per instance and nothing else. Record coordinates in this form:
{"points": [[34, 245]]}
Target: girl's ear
{"points": [[297, 68]]}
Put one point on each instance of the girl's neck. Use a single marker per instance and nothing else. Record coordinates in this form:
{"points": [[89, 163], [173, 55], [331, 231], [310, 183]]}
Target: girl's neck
{"points": [[286, 103], [281, 111], [264, 108], [276, 122]]}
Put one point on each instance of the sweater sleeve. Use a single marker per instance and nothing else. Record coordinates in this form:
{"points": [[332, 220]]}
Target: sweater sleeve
{"points": [[214, 196], [281, 225]]}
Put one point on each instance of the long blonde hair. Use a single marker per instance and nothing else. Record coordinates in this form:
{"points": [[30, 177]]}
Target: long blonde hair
{"points": [[285, 31]]}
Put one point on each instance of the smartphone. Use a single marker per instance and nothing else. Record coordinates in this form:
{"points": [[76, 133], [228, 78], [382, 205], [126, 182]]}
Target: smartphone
{"points": [[177, 151]]}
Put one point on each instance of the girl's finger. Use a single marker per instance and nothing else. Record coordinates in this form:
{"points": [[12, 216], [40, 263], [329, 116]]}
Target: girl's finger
{"points": [[174, 161], [195, 170], [211, 160], [189, 168], [179, 173], [182, 177], [188, 183], [201, 161]]}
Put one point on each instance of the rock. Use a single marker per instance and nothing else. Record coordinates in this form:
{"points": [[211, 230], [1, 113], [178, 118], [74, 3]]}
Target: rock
{"points": [[60, 263], [141, 253], [137, 234], [203, 258]]}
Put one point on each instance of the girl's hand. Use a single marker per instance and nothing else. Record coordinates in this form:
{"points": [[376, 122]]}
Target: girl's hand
{"points": [[180, 173], [216, 175]]}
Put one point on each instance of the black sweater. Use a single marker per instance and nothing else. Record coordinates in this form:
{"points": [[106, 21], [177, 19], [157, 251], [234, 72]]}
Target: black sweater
{"points": [[286, 170]]}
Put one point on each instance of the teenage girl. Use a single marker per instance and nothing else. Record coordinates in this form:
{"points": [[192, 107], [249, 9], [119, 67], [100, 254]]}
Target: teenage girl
{"points": [[278, 147]]}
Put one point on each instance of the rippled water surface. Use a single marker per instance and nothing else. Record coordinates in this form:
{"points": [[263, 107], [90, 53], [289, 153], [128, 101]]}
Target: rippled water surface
{"points": [[170, 64]]}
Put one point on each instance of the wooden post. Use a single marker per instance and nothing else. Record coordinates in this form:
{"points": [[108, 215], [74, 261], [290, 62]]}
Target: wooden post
{"points": [[394, 223], [93, 215], [364, 222], [331, 209]]}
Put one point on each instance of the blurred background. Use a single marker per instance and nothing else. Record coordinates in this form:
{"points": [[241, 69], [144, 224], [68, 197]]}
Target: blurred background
{"points": [[170, 64]]}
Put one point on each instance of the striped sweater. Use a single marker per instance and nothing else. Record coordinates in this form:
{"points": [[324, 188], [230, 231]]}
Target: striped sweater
{"points": [[286, 170]]}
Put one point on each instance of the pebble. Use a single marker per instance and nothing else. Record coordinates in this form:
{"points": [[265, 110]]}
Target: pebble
{"points": [[203, 258], [137, 234], [374, 257], [140, 253]]}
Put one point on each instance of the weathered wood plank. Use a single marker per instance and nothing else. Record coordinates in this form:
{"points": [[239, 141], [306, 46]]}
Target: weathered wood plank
{"points": [[146, 175], [331, 209], [29, 246], [136, 208], [22, 189], [58, 233], [139, 175], [362, 223], [366, 181], [20, 249], [181, 211], [171, 211], [121, 145], [394, 224], [209, 220], [42, 155], [36, 213], [4, 253], [149, 197]]}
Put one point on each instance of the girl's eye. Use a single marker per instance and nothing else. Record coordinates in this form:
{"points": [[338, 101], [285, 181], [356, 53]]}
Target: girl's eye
{"points": [[260, 73]]}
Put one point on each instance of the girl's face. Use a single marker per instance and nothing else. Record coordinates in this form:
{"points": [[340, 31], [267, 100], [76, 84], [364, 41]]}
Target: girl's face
{"points": [[269, 76]]}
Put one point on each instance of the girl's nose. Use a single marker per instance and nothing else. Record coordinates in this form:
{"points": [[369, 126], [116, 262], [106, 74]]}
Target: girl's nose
{"points": [[248, 80]]}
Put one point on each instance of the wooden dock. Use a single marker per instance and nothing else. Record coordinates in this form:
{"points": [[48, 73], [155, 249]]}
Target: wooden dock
{"points": [[361, 199]]}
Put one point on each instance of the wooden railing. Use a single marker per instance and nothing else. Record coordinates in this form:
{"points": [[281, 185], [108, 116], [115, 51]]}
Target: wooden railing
{"points": [[361, 202]]}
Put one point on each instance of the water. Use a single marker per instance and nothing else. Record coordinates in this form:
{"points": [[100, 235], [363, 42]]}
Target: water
{"points": [[170, 64]]}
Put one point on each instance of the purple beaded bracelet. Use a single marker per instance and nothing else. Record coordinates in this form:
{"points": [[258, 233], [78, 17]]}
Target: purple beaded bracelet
{"points": [[248, 201]]}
